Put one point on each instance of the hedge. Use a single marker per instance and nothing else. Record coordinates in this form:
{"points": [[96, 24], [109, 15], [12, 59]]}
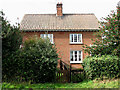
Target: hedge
{"points": [[105, 66], [36, 62]]}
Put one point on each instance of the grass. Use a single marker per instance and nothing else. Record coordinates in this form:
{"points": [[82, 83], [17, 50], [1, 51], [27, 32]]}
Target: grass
{"points": [[84, 84]]}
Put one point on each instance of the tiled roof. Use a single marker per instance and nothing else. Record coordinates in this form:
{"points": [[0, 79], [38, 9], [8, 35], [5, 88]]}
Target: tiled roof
{"points": [[51, 22]]}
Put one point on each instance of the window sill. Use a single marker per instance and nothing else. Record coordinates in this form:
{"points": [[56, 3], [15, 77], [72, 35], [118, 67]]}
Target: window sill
{"points": [[76, 43], [75, 62]]}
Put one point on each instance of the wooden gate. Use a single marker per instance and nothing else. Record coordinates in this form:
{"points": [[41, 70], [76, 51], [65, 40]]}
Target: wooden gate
{"points": [[63, 76], [66, 74]]}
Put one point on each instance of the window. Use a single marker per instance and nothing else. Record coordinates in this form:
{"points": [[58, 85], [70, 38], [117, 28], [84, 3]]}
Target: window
{"points": [[75, 56], [75, 38], [50, 36]]}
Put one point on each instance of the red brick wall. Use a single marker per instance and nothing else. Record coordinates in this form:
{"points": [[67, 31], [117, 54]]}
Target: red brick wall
{"points": [[62, 42]]}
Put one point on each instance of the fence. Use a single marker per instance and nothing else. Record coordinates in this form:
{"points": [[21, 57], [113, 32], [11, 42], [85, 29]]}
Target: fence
{"points": [[62, 76], [66, 74]]}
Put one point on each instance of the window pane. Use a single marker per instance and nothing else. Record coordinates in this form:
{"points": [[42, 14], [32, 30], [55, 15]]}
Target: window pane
{"points": [[71, 56], [79, 37], [75, 55], [79, 55], [51, 38], [42, 35], [71, 37], [46, 35], [75, 37]]}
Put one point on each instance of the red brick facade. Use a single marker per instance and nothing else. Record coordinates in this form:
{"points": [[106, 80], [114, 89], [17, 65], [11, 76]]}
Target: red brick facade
{"points": [[62, 42]]}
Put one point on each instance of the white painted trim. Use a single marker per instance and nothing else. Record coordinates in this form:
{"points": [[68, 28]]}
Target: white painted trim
{"points": [[75, 62], [77, 57], [81, 38], [77, 39], [81, 56], [76, 43]]}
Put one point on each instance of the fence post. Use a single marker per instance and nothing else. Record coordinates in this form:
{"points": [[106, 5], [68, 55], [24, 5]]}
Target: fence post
{"points": [[70, 74], [61, 65]]}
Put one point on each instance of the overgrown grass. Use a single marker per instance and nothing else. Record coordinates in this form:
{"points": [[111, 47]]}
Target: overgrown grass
{"points": [[84, 84]]}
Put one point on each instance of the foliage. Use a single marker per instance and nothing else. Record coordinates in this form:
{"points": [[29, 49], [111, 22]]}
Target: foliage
{"points": [[11, 40], [78, 77], [108, 37], [38, 61], [84, 84], [106, 66]]}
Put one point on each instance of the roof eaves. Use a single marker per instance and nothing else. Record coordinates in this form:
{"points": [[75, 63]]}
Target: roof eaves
{"points": [[55, 30]]}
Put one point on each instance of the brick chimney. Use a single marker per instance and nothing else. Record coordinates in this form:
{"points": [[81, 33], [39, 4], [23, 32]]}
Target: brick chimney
{"points": [[59, 9]]}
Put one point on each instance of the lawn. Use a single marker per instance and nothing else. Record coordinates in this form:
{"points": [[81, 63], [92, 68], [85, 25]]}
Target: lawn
{"points": [[84, 84]]}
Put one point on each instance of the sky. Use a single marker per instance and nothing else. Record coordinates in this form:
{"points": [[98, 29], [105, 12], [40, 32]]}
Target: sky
{"points": [[15, 9]]}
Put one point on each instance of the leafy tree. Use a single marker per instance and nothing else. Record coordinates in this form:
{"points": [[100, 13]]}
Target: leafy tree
{"points": [[11, 37], [38, 61], [11, 40], [108, 37]]}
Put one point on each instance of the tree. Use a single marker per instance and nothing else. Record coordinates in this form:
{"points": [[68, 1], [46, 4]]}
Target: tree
{"points": [[38, 61], [11, 40], [11, 37], [108, 37]]}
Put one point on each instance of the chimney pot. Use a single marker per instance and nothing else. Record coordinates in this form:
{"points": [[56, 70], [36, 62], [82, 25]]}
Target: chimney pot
{"points": [[59, 9]]}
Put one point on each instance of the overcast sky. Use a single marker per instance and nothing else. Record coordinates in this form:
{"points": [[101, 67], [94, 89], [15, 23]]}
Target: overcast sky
{"points": [[17, 8]]}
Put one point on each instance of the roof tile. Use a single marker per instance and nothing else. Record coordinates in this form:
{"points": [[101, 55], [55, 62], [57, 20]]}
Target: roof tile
{"points": [[40, 22]]}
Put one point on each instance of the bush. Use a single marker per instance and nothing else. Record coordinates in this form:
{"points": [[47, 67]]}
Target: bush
{"points": [[38, 61], [77, 77], [100, 67], [35, 62], [11, 41]]}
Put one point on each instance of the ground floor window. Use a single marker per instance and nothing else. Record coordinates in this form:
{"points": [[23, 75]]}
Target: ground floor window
{"points": [[75, 56]]}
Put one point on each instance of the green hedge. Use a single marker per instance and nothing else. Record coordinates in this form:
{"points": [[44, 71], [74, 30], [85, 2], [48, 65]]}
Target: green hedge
{"points": [[35, 62], [105, 66]]}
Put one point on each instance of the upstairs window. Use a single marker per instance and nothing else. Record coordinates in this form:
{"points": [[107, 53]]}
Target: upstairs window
{"points": [[75, 38], [75, 56], [50, 36]]}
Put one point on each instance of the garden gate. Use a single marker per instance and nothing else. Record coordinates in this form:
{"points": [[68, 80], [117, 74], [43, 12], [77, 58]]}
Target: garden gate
{"points": [[66, 74], [63, 76]]}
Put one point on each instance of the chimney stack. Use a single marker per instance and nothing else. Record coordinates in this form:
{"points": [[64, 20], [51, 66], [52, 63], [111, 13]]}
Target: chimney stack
{"points": [[59, 9]]}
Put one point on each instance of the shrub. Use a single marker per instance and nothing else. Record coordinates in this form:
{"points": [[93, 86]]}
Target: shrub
{"points": [[77, 77], [100, 67], [109, 30], [38, 61], [11, 41]]}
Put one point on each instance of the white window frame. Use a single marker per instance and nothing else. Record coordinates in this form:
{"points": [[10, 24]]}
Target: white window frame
{"points": [[77, 57], [47, 35], [77, 39]]}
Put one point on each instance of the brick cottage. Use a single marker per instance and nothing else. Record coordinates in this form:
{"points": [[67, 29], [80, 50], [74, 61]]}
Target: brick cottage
{"points": [[69, 32]]}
